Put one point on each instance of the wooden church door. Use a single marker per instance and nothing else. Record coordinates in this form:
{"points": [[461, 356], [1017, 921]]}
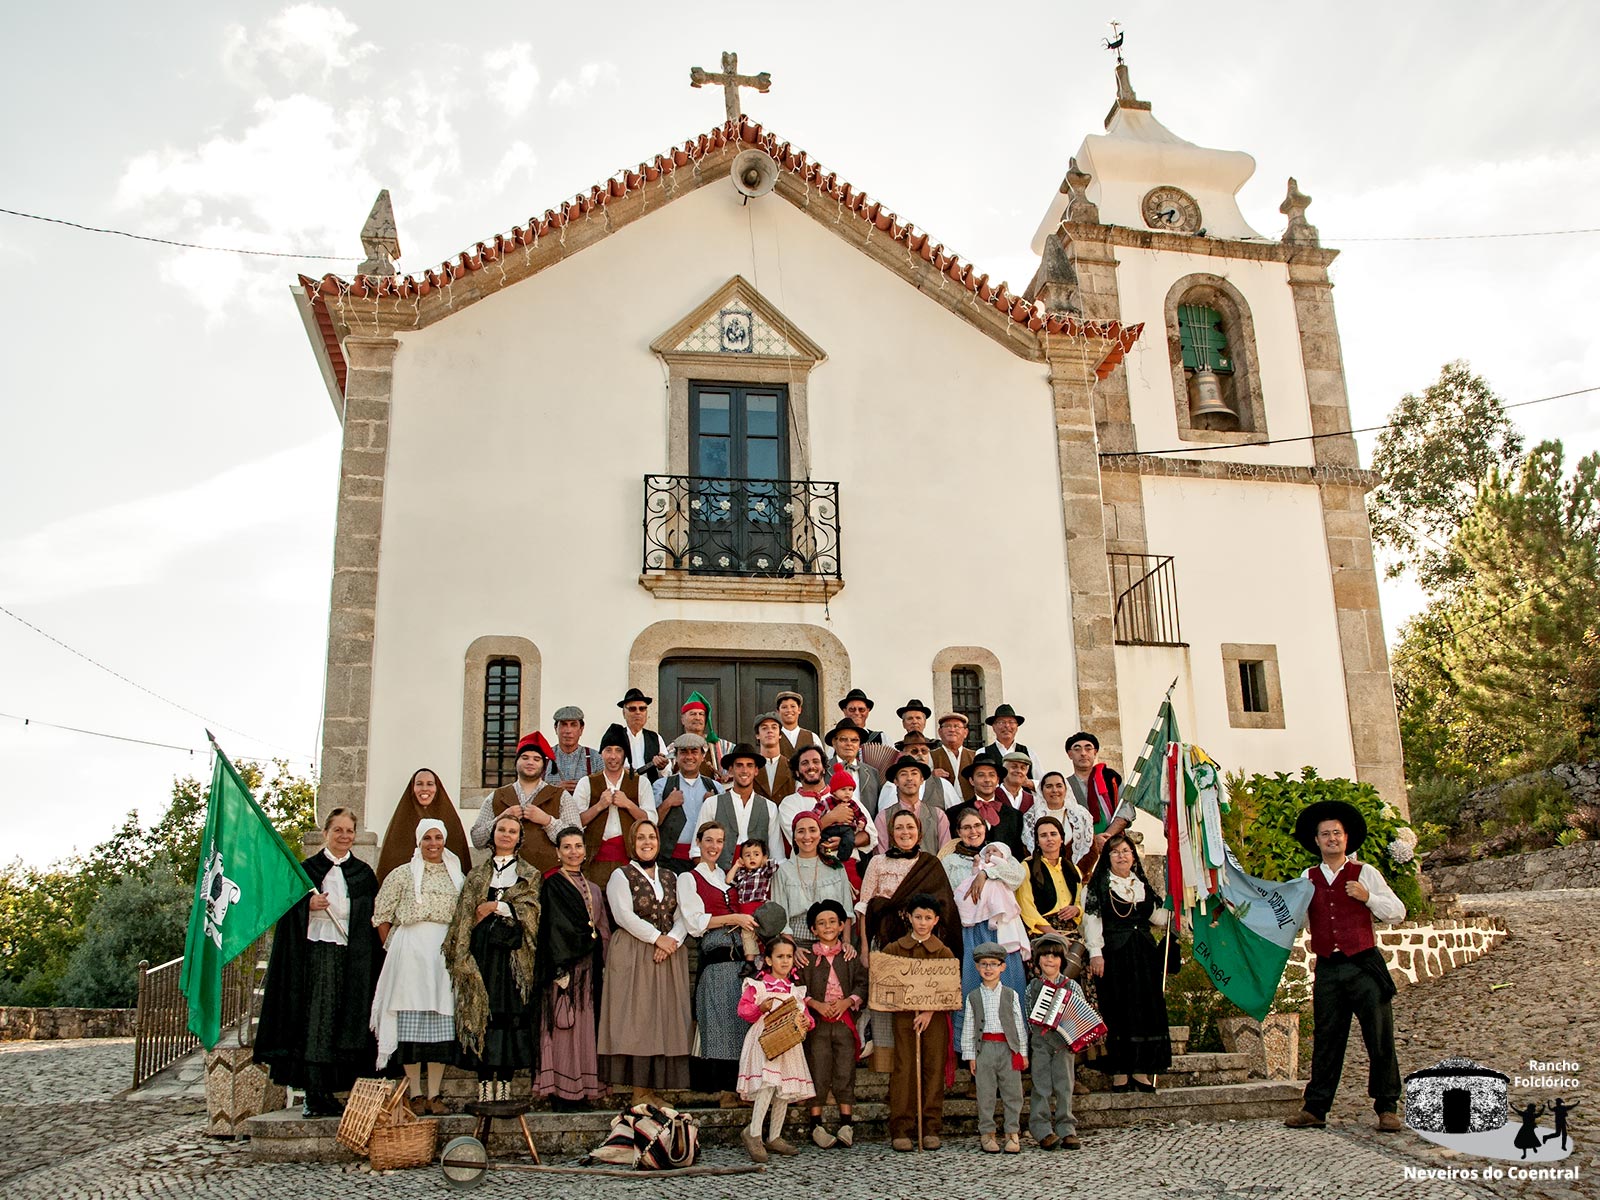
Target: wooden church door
{"points": [[737, 690]]}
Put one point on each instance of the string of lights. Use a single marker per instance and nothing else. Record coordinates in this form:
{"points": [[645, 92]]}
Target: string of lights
{"points": [[133, 683], [1312, 437]]}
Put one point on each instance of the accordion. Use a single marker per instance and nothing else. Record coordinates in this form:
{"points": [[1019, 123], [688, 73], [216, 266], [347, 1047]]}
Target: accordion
{"points": [[1064, 1008]]}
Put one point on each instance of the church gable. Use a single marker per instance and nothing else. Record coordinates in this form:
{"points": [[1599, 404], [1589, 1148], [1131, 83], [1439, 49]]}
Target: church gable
{"points": [[738, 321]]}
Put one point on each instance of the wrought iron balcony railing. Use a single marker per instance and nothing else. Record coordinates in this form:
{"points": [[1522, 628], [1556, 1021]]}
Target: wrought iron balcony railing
{"points": [[747, 527], [1146, 588]]}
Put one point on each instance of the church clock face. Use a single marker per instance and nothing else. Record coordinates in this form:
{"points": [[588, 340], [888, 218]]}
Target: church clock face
{"points": [[1171, 209]]}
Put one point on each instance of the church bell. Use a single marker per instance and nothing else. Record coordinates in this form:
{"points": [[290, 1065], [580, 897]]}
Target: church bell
{"points": [[1205, 395]]}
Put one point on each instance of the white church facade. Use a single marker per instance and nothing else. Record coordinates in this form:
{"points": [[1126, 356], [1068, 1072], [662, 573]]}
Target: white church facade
{"points": [[674, 437]]}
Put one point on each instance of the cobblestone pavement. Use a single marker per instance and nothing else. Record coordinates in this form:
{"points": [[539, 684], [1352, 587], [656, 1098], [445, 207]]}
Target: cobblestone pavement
{"points": [[66, 1138]]}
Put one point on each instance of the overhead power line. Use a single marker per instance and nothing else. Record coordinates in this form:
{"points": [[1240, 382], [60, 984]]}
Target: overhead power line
{"points": [[115, 737], [160, 241], [1312, 437]]}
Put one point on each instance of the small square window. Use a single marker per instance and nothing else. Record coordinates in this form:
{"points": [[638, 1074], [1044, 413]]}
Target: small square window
{"points": [[1254, 690], [1253, 686]]}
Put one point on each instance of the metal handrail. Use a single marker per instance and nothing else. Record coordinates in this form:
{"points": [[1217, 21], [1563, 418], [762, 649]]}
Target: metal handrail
{"points": [[1146, 586], [161, 1017]]}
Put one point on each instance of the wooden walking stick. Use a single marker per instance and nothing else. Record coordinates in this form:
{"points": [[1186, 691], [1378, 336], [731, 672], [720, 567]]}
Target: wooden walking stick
{"points": [[919, 1085]]}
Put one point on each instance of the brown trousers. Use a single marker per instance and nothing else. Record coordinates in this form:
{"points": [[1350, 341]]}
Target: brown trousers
{"points": [[831, 1057], [903, 1080]]}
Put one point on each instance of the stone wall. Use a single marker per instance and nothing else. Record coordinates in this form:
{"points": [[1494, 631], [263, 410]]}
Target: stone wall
{"points": [[1416, 950], [1575, 866], [45, 1024], [1580, 780]]}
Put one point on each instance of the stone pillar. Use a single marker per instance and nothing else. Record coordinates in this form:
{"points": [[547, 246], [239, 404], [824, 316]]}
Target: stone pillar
{"points": [[1369, 689], [352, 608], [1072, 365]]}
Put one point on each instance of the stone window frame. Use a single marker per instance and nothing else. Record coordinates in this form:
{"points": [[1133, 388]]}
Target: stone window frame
{"points": [[1234, 653], [979, 658], [475, 677], [791, 372], [1215, 292]]}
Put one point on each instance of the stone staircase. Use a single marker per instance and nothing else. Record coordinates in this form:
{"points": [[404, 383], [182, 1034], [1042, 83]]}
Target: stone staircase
{"points": [[1201, 1087]]}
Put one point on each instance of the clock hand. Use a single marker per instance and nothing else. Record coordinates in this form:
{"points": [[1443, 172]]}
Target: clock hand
{"points": [[1169, 215]]}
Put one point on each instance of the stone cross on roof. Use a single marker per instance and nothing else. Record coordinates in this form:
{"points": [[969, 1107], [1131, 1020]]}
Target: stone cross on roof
{"points": [[730, 81]]}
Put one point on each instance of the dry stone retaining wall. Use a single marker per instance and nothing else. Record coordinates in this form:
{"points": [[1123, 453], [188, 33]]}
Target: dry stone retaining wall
{"points": [[18, 1024], [1555, 869]]}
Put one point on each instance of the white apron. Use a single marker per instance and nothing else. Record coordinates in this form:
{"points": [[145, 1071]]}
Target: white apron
{"points": [[413, 979]]}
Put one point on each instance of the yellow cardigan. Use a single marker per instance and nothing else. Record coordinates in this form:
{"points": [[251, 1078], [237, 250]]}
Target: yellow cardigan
{"points": [[1031, 916]]}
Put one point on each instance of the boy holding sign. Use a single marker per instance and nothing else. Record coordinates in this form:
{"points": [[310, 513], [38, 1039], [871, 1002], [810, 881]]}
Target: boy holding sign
{"points": [[921, 1034]]}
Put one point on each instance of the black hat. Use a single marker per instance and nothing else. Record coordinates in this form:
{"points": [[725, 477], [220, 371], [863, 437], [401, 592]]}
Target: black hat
{"points": [[856, 694], [1348, 815], [982, 760], [1083, 735], [913, 706], [824, 906], [915, 738], [1005, 710], [616, 735], [634, 694], [742, 750], [904, 761], [844, 726]]}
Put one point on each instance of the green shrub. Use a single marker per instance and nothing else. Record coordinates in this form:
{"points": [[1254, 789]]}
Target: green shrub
{"points": [[1568, 837], [1437, 800], [1193, 1000]]}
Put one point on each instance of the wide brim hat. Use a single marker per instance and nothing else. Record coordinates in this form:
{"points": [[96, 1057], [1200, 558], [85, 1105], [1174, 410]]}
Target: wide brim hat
{"points": [[915, 738], [1005, 710], [771, 920], [634, 694], [742, 750], [913, 706], [844, 726], [1348, 815], [982, 760], [857, 694], [904, 761]]}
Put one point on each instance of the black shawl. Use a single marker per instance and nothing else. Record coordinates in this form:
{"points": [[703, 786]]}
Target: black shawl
{"points": [[1044, 888], [566, 938], [280, 1043]]}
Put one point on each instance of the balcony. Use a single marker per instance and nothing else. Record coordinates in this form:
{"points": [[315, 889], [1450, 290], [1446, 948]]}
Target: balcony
{"points": [[1146, 588], [751, 539]]}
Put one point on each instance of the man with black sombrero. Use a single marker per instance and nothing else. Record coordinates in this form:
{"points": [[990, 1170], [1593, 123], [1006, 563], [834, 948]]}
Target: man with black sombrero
{"points": [[1004, 723], [845, 740], [645, 754], [857, 706], [1352, 979]]}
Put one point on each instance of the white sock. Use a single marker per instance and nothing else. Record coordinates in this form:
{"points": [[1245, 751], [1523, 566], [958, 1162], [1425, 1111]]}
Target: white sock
{"points": [[435, 1078], [758, 1109], [414, 1078], [780, 1109]]}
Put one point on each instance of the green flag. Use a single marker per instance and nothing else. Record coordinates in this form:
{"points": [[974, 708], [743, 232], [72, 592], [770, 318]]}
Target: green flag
{"points": [[247, 879], [1143, 786]]}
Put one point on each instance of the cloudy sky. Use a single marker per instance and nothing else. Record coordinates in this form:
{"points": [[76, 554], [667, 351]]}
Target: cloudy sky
{"points": [[167, 498]]}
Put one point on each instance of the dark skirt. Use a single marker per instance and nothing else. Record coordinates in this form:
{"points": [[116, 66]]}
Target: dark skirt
{"points": [[508, 1039], [1133, 1007], [325, 1067], [428, 1052], [715, 1068]]}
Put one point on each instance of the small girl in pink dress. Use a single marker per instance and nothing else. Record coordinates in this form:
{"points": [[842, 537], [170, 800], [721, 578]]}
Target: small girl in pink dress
{"points": [[771, 1083]]}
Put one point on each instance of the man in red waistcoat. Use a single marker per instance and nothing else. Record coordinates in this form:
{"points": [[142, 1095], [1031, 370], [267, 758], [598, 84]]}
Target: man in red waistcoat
{"points": [[1352, 978]]}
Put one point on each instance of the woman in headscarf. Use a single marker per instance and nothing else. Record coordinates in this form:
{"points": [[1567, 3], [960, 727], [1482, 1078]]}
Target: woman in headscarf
{"points": [[414, 1011], [891, 879], [1055, 800], [489, 952], [423, 799], [325, 961], [568, 968], [1126, 961], [645, 1018], [806, 878], [703, 905], [960, 866]]}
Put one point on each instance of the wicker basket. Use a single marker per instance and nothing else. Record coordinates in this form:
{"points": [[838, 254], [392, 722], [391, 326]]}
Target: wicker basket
{"points": [[403, 1142], [783, 1028], [369, 1100]]}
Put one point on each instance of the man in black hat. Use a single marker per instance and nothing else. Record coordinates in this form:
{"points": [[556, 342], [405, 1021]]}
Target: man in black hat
{"points": [[644, 745], [1004, 821], [940, 793], [1352, 978], [857, 706], [909, 774], [914, 716], [741, 810], [846, 739], [1004, 722]]}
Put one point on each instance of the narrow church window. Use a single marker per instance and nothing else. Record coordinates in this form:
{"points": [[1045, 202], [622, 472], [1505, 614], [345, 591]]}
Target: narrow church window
{"points": [[966, 697], [502, 696], [1253, 686]]}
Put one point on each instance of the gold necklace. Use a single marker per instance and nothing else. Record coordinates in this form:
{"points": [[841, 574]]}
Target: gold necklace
{"points": [[1117, 908]]}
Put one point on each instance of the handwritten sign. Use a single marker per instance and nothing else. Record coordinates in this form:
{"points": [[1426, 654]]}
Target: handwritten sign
{"points": [[913, 984]]}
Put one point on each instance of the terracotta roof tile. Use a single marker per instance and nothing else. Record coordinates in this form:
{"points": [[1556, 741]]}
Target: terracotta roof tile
{"points": [[1032, 315]]}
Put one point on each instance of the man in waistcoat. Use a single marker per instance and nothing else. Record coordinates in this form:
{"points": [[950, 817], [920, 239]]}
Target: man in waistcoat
{"points": [[952, 756], [741, 810], [774, 779], [530, 798], [1352, 979], [846, 739], [938, 792], [1004, 822], [606, 804], [1005, 721], [679, 797], [909, 774], [790, 705], [573, 761], [857, 706], [645, 755]]}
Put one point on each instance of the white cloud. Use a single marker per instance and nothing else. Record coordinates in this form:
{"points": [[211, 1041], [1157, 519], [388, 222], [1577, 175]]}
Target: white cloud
{"points": [[302, 40], [568, 92], [515, 81], [518, 160]]}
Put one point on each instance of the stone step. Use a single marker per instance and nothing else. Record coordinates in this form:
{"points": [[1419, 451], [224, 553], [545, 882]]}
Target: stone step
{"points": [[285, 1136], [1201, 1069]]}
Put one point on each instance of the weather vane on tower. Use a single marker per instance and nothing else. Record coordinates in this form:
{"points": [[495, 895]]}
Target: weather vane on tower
{"points": [[1114, 42], [730, 81]]}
